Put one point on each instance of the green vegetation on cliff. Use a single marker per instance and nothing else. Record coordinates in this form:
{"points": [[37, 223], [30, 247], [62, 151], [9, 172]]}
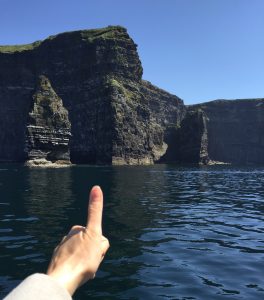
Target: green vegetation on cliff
{"points": [[19, 48], [110, 32]]}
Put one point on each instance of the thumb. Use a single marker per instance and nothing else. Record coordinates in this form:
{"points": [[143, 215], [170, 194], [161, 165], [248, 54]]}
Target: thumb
{"points": [[95, 210]]}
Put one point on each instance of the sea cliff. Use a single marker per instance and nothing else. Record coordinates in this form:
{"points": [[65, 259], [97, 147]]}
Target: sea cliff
{"points": [[79, 97]]}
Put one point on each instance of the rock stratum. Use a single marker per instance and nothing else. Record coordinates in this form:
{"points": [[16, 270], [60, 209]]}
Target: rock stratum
{"points": [[79, 97]]}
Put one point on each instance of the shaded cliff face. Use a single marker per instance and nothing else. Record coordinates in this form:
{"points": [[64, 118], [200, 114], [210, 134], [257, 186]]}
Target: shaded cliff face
{"points": [[188, 142], [115, 117], [217, 132], [48, 127], [235, 130], [143, 114]]}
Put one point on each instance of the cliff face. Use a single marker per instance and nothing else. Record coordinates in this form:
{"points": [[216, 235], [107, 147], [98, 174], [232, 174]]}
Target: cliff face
{"points": [[114, 116], [235, 130], [142, 115], [221, 131], [80, 95], [188, 142]]}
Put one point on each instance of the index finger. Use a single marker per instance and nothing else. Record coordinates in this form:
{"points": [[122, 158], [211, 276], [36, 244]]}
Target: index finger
{"points": [[95, 210]]}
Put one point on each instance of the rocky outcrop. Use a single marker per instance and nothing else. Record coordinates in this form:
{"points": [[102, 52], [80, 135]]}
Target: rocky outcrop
{"points": [[48, 127], [115, 116], [188, 141], [142, 115], [235, 130], [80, 95], [219, 132]]}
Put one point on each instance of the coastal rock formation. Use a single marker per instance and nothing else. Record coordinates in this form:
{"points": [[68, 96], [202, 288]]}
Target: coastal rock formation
{"points": [[115, 116], [142, 115], [80, 96], [219, 132], [188, 142], [235, 130], [48, 127]]}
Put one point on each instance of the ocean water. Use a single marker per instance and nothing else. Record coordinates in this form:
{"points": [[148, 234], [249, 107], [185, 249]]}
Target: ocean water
{"points": [[175, 232]]}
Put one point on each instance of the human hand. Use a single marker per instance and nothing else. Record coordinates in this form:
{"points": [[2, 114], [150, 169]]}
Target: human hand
{"points": [[76, 259]]}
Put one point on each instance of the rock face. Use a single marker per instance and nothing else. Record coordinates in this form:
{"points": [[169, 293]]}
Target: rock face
{"points": [[115, 116], [235, 130], [142, 115], [220, 132], [80, 95], [188, 142], [48, 127]]}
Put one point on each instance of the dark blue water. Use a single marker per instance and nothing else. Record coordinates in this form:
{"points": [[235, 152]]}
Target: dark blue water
{"points": [[175, 233]]}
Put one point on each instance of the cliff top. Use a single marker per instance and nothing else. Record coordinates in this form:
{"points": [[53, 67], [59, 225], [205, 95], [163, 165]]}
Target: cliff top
{"points": [[228, 102], [110, 32]]}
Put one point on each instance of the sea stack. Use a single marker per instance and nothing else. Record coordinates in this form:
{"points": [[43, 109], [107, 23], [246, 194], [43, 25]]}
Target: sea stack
{"points": [[48, 129]]}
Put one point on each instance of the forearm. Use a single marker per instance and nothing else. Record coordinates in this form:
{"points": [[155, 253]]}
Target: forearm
{"points": [[39, 286]]}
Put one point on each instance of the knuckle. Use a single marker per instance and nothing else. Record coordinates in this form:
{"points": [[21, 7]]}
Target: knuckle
{"points": [[108, 244]]}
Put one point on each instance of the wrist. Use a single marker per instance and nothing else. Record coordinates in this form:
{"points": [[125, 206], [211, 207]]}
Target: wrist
{"points": [[65, 280]]}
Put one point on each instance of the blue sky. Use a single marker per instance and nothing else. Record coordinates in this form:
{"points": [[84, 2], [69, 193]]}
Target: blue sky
{"points": [[199, 50]]}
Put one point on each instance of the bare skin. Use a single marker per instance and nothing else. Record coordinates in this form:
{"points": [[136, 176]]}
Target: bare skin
{"points": [[76, 259]]}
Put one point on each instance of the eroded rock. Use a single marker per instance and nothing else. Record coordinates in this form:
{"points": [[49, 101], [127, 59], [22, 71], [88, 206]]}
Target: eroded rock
{"points": [[48, 128], [92, 106]]}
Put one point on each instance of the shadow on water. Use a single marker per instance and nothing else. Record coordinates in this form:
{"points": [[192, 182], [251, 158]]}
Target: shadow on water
{"points": [[175, 233]]}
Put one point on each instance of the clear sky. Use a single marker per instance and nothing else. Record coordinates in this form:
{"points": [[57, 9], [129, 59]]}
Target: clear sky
{"points": [[199, 50]]}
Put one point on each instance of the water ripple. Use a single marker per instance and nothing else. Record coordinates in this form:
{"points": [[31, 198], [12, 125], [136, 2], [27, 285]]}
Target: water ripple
{"points": [[175, 233]]}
